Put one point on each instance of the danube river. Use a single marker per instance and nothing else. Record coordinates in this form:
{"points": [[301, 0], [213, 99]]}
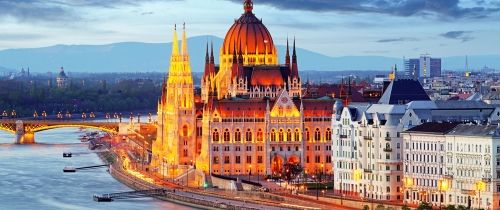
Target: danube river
{"points": [[31, 176]]}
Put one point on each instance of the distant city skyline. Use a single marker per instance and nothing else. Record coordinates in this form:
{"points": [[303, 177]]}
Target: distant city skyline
{"points": [[334, 28]]}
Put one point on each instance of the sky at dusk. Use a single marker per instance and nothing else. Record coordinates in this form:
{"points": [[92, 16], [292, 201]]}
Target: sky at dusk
{"points": [[393, 28]]}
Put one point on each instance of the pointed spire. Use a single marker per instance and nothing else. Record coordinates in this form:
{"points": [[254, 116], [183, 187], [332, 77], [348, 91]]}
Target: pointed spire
{"points": [[235, 58], [212, 59], [240, 56], [175, 42], [287, 57], [184, 40], [295, 68], [207, 58]]}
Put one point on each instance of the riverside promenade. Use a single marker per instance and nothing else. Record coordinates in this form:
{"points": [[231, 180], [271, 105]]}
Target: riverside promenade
{"points": [[182, 195]]}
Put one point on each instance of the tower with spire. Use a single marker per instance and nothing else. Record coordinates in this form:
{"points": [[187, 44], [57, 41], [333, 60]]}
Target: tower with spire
{"points": [[175, 141]]}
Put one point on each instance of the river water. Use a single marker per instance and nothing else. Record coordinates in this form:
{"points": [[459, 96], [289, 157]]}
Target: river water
{"points": [[31, 176]]}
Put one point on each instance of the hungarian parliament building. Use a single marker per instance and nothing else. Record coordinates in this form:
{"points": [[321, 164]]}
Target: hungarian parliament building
{"points": [[250, 116]]}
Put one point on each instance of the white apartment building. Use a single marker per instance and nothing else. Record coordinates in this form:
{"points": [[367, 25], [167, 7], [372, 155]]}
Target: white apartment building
{"points": [[367, 142], [451, 163]]}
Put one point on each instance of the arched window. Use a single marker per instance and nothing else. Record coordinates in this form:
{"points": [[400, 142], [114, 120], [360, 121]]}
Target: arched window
{"points": [[185, 130], [328, 134], [317, 135], [226, 135], [260, 135], [307, 134], [237, 135], [215, 135], [296, 135], [248, 135], [288, 135], [387, 145], [281, 136], [273, 135]]}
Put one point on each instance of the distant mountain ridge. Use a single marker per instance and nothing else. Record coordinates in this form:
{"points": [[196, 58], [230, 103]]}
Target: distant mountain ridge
{"points": [[154, 57]]}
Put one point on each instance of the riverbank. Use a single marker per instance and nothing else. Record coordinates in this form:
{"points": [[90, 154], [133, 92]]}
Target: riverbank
{"points": [[174, 195]]}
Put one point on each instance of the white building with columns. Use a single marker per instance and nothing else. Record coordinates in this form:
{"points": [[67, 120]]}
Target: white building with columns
{"points": [[452, 164]]}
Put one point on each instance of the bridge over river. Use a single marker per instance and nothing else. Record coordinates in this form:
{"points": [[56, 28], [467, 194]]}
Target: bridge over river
{"points": [[25, 130]]}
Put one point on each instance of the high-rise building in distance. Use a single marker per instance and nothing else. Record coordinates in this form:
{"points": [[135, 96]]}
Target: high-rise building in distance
{"points": [[423, 67]]}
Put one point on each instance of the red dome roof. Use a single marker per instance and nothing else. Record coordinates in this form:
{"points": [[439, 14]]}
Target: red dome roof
{"points": [[249, 33]]}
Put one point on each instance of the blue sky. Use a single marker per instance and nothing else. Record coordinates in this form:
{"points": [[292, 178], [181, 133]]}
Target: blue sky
{"points": [[393, 28]]}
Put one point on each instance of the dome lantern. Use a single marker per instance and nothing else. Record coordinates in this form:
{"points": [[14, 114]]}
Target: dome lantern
{"points": [[248, 6]]}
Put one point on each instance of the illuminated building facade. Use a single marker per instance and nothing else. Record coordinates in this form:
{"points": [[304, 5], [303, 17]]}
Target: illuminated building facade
{"points": [[250, 117]]}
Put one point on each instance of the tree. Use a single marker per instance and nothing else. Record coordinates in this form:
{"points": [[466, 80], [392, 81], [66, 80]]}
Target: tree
{"points": [[405, 207], [424, 206], [366, 207], [380, 207], [460, 207], [450, 207]]}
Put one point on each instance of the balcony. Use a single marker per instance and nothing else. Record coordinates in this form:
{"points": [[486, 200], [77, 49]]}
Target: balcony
{"points": [[366, 170], [387, 138], [448, 176], [486, 180], [387, 149], [343, 136], [367, 138]]}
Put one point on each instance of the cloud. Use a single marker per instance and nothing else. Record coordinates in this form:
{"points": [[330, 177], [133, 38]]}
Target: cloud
{"points": [[401, 39], [19, 36], [446, 9], [56, 10], [464, 36]]}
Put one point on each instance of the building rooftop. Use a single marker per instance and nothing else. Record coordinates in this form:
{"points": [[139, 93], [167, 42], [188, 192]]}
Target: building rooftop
{"points": [[433, 127], [474, 130], [402, 91]]}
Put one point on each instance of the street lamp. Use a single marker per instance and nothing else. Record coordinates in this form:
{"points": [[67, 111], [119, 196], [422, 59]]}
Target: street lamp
{"points": [[44, 115], [13, 114], [84, 116], [68, 114], [35, 115], [150, 117]]}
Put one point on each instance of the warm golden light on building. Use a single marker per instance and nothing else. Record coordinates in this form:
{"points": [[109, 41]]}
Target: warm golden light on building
{"points": [[250, 116]]}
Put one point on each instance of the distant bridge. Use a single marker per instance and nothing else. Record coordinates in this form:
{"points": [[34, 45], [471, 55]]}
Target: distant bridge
{"points": [[25, 129]]}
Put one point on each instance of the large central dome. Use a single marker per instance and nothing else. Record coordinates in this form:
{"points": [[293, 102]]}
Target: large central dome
{"points": [[249, 34]]}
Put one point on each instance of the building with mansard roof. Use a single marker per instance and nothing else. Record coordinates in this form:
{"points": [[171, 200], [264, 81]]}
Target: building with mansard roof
{"points": [[250, 118]]}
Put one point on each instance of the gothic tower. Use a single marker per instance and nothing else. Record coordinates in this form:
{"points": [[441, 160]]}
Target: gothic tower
{"points": [[175, 144]]}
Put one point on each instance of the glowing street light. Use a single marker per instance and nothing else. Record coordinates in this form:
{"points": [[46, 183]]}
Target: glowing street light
{"points": [[35, 115], [44, 115]]}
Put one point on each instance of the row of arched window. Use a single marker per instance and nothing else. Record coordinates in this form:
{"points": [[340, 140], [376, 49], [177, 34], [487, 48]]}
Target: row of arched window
{"points": [[275, 135], [226, 135], [317, 134]]}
